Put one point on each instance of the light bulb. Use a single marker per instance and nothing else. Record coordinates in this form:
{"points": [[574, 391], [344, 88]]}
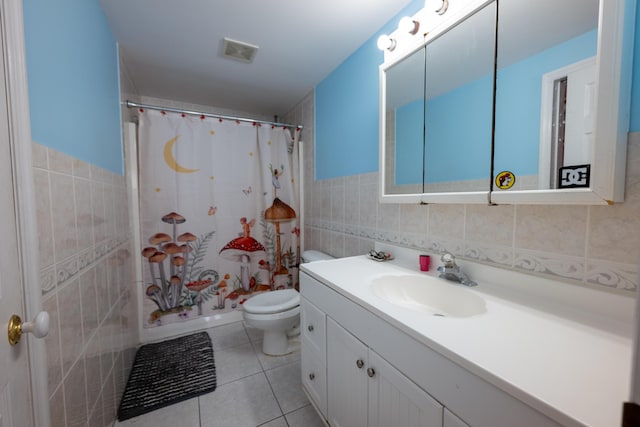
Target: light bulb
{"points": [[386, 42], [408, 25]]}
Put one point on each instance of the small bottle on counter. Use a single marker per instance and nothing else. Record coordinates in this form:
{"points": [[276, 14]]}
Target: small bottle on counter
{"points": [[425, 260]]}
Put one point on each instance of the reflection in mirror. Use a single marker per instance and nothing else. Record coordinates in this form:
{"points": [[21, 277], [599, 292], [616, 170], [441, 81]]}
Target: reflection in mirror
{"points": [[545, 91], [404, 129], [442, 145], [459, 108]]}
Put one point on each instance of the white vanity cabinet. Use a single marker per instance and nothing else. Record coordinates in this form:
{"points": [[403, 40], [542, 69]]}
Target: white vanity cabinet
{"points": [[343, 343], [365, 390]]}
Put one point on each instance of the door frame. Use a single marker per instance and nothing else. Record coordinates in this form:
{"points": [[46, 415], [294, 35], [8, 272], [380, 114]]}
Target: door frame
{"points": [[13, 45], [546, 116]]}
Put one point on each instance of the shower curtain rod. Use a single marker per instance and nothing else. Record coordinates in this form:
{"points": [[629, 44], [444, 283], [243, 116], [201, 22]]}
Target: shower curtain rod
{"points": [[130, 104]]}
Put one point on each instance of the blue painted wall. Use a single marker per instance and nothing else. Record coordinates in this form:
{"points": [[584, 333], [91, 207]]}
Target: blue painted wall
{"points": [[72, 70], [347, 116], [346, 122], [409, 133], [471, 105]]}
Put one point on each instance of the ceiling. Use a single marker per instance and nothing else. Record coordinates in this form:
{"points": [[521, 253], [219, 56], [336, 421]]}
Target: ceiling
{"points": [[173, 49]]}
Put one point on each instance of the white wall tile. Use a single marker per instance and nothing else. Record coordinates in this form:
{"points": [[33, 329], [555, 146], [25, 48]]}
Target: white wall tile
{"points": [[39, 156], [86, 277], [63, 214], [75, 395], [43, 217], [555, 229]]}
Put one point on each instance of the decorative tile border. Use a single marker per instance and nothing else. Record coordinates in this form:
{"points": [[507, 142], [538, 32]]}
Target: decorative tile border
{"points": [[498, 255], [66, 270], [79, 263], [48, 281], [611, 275], [558, 267], [554, 265]]}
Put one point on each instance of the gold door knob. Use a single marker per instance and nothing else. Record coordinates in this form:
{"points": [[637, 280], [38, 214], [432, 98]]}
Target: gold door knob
{"points": [[39, 327]]}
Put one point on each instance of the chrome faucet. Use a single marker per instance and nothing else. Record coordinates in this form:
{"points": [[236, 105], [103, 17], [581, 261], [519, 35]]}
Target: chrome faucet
{"points": [[451, 271]]}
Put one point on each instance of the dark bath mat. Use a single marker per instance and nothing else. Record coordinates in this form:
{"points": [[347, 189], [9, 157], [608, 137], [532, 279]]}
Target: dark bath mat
{"points": [[168, 372]]}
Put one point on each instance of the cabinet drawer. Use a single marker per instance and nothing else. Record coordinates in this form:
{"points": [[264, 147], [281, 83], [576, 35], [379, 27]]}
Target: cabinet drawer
{"points": [[314, 375], [312, 325]]}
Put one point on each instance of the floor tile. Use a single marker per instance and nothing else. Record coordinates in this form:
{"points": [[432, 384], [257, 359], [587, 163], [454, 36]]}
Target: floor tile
{"points": [[183, 414], [304, 417], [230, 335], [278, 422], [236, 362], [286, 384], [254, 333], [247, 402]]}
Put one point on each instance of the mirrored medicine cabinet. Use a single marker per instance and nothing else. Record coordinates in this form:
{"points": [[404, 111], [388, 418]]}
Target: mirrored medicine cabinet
{"points": [[510, 102]]}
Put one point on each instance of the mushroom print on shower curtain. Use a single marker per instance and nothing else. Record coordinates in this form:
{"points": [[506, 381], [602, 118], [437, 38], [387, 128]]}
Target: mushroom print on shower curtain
{"points": [[278, 213], [218, 221], [242, 249]]}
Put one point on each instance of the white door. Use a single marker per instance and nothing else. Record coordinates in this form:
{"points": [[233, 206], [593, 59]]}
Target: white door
{"points": [[17, 407], [581, 106], [15, 393]]}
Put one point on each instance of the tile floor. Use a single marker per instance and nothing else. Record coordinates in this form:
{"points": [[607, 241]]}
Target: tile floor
{"points": [[253, 389]]}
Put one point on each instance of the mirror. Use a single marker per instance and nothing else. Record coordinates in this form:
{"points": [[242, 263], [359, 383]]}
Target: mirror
{"points": [[545, 92], [561, 105], [562, 101], [438, 106], [404, 120], [459, 105]]}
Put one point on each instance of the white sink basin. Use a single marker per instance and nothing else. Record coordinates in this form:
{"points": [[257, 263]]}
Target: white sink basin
{"points": [[428, 295]]}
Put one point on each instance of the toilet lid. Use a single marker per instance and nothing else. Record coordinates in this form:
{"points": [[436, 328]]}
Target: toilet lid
{"points": [[272, 302]]}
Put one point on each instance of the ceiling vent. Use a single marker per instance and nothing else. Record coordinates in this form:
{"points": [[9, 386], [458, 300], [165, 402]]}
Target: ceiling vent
{"points": [[239, 51]]}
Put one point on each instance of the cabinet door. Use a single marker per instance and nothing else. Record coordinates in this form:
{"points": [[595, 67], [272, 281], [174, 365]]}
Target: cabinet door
{"points": [[394, 400], [346, 378], [451, 420]]}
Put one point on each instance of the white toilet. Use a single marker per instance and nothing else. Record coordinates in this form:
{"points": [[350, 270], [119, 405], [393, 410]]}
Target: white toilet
{"points": [[277, 313]]}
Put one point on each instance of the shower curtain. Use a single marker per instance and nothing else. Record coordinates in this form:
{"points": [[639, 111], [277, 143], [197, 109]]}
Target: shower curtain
{"points": [[218, 213]]}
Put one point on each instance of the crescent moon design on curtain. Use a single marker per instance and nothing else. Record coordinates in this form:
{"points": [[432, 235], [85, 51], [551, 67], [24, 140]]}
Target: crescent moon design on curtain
{"points": [[171, 161]]}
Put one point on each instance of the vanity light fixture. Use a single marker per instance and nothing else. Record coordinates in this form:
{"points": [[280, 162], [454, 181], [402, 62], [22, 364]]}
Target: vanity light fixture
{"points": [[386, 42], [408, 25], [443, 9]]}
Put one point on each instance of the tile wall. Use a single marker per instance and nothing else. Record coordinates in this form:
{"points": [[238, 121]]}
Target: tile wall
{"points": [[592, 245], [86, 278]]}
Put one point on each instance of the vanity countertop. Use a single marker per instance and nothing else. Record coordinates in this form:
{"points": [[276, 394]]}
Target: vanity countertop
{"points": [[569, 363]]}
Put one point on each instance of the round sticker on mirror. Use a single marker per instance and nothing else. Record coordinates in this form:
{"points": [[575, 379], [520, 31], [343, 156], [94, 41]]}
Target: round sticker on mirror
{"points": [[505, 180]]}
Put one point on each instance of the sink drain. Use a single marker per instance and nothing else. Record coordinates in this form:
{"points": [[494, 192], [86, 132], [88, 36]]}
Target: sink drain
{"points": [[439, 315]]}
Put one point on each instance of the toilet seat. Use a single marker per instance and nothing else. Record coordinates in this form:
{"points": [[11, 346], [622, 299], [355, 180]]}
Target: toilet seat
{"points": [[272, 302], [250, 318]]}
